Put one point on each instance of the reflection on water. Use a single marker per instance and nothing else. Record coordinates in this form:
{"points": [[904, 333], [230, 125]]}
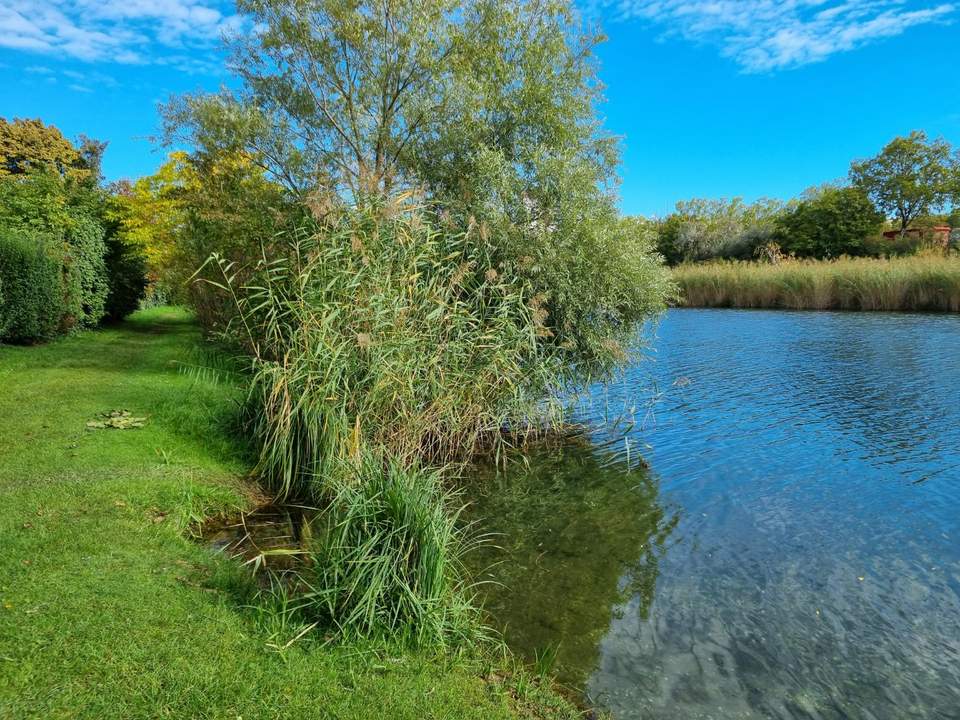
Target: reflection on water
{"points": [[571, 540], [793, 551]]}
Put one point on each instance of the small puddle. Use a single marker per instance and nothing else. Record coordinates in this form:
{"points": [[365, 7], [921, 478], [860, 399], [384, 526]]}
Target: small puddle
{"points": [[272, 536]]}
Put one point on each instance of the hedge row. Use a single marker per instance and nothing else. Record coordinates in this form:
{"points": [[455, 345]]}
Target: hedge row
{"points": [[31, 287], [51, 285]]}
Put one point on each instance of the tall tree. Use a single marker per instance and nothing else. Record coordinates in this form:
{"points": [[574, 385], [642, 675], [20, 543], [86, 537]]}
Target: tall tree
{"points": [[912, 176], [362, 96], [150, 211], [485, 108], [29, 145]]}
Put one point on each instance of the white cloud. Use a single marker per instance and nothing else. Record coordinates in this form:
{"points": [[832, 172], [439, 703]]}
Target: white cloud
{"points": [[120, 31], [765, 35]]}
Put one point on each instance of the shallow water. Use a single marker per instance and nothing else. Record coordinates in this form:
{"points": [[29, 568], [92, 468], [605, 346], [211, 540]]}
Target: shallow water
{"points": [[793, 550]]}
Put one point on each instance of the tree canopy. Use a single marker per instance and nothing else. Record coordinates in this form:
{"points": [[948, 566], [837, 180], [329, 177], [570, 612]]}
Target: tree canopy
{"points": [[483, 111], [912, 176], [361, 96], [702, 228], [30, 145], [829, 222]]}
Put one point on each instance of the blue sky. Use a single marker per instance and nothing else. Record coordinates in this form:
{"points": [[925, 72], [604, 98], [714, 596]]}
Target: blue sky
{"points": [[713, 98]]}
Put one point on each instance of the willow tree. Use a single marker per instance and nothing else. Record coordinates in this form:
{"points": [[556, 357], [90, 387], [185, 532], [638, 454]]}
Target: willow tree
{"points": [[487, 109]]}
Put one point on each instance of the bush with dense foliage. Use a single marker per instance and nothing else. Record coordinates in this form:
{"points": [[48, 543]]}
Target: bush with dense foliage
{"points": [[385, 329], [49, 191], [30, 287], [701, 229], [86, 283], [192, 207], [828, 223], [384, 332], [44, 205]]}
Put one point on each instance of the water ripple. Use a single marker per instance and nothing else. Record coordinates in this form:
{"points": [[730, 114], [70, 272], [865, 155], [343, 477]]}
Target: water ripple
{"points": [[810, 466]]}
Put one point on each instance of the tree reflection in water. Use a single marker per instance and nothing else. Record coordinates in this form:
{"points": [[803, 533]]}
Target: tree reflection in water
{"points": [[574, 535]]}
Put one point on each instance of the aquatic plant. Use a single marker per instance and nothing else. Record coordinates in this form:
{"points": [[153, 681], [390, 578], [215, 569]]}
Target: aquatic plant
{"points": [[929, 282], [386, 559], [381, 334], [380, 330], [385, 345]]}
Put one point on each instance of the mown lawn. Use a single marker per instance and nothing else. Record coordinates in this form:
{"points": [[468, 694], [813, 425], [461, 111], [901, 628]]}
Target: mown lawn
{"points": [[109, 610]]}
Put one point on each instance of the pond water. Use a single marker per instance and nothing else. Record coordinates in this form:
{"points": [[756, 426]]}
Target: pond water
{"points": [[793, 548]]}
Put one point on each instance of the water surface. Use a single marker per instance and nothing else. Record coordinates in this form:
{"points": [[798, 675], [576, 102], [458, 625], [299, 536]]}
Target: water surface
{"points": [[793, 550]]}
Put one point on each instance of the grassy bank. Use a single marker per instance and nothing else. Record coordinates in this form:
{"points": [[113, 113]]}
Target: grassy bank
{"points": [[108, 609], [929, 283]]}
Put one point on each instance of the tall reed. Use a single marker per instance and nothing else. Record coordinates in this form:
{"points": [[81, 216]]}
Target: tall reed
{"points": [[387, 558], [383, 334], [378, 347], [385, 346], [929, 282]]}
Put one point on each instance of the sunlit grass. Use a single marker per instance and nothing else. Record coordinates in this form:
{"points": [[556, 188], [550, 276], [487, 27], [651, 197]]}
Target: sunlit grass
{"points": [[109, 610]]}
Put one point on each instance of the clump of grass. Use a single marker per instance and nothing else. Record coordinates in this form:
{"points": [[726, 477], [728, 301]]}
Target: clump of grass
{"points": [[379, 346], [929, 282], [385, 334], [386, 346], [387, 559]]}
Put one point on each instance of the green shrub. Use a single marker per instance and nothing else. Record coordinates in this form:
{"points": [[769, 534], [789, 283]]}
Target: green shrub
{"points": [[384, 334], [391, 328], [388, 337], [85, 273], [30, 282], [127, 272], [68, 215], [829, 223], [702, 229], [386, 559]]}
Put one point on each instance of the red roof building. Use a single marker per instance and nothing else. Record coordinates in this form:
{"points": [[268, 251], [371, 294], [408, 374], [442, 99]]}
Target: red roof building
{"points": [[938, 235]]}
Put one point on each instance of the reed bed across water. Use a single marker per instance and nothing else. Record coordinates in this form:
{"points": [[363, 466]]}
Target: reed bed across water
{"points": [[918, 283]]}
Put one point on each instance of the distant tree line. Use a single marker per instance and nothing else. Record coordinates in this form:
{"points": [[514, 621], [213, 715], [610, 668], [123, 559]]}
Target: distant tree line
{"points": [[64, 261], [906, 187]]}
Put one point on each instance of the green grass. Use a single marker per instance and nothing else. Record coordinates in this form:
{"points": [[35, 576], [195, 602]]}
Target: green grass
{"points": [[108, 609], [924, 282]]}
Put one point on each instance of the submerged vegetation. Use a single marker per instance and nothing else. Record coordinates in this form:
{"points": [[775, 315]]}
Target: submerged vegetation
{"points": [[576, 533], [923, 282]]}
